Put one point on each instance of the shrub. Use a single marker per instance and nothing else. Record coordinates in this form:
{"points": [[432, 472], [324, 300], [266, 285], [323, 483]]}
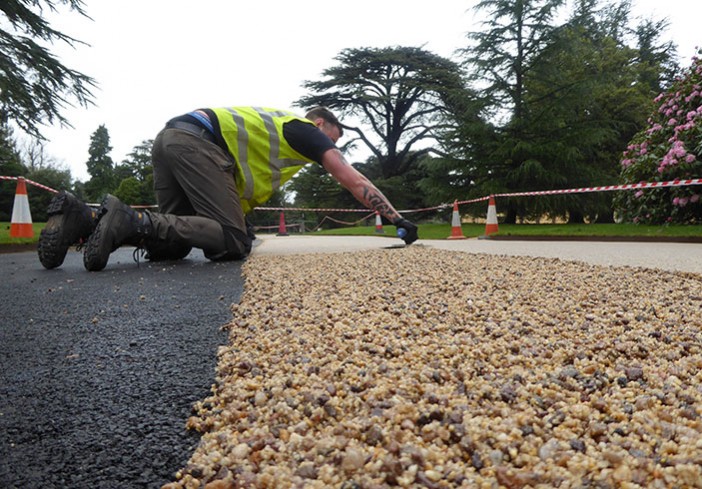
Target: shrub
{"points": [[669, 148]]}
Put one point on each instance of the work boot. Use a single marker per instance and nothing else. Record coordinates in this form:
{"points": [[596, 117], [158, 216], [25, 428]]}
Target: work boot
{"points": [[70, 222], [118, 224]]}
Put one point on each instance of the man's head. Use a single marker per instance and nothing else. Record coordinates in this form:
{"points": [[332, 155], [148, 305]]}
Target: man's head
{"points": [[327, 122]]}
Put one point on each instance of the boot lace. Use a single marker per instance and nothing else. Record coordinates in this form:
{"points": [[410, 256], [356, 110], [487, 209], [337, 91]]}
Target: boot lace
{"points": [[138, 254]]}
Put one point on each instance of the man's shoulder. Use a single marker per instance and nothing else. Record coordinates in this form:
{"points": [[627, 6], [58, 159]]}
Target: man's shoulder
{"points": [[305, 138]]}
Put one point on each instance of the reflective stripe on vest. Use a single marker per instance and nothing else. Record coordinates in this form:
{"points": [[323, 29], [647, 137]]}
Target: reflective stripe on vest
{"points": [[265, 160]]}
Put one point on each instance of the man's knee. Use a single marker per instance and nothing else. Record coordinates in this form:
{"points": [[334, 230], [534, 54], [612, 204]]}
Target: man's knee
{"points": [[237, 243]]}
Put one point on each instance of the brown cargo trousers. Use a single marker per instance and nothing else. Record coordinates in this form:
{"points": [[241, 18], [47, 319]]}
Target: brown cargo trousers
{"points": [[199, 205]]}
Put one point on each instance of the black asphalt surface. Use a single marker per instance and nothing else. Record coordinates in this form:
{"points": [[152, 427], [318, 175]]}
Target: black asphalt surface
{"points": [[99, 371]]}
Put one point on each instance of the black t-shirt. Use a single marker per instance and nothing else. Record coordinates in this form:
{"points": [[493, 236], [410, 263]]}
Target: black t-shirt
{"points": [[307, 139], [303, 137]]}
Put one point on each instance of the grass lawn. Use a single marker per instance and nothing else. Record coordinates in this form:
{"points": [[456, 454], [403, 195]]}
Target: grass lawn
{"points": [[6, 239], [442, 231]]}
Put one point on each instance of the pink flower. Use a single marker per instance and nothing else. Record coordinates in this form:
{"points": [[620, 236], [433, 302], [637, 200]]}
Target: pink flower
{"points": [[684, 127], [690, 158], [678, 150], [695, 198], [657, 127], [672, 122], [638, 194], [676, 201]]}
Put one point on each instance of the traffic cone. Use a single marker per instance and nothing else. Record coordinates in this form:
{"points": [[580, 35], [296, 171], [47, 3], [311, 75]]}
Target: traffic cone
{"points": [[378, 224], [282, 231], [491, 223], [456, 230], [21, 224]]}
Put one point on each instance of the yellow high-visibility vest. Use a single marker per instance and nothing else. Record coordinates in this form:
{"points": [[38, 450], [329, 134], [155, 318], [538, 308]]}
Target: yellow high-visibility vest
{"points": [[264, 159]]}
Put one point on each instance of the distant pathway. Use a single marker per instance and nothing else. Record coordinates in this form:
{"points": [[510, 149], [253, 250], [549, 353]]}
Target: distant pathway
{"points": [[682, 257]]}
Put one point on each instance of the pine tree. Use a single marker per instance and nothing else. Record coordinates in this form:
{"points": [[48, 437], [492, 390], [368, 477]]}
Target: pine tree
{"points": [[406, 96], [100, 166], [34, 85]]}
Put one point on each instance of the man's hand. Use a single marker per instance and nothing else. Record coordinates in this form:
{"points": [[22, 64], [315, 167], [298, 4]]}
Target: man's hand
{"points": [[410, 234]]}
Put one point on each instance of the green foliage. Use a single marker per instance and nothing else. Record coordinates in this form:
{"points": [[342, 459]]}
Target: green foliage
{"points": [[313, 187], [406, 95], [41, 171], [100, 166], [137, 168], [56, 178], [669, 148], [404, 191], [34, 85], [10, 166], [503, 53], [138, 162], [129, 191], [566, 99], [656, 67], [270, 218]]}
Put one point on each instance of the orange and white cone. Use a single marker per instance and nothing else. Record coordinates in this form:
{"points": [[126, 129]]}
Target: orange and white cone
{"points": [[21, 224], [378, 224], [491, 226], [456, 230], [282, 229]]}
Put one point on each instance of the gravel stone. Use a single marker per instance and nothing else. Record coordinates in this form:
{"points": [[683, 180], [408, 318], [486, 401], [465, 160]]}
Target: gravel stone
{"points": [[446, 369]]}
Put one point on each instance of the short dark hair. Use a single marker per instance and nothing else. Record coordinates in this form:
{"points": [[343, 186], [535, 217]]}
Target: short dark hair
{"points": [[327, 115]]}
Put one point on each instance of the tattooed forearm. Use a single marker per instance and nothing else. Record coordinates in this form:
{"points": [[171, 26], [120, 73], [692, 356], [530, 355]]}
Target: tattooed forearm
{"points": [[377, 201]]}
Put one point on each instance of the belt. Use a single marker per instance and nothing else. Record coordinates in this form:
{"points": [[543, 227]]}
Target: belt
{"points": [[192, 129]]}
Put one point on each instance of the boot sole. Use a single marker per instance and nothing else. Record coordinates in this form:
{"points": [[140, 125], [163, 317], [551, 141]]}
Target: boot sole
{"points": [[97, 250], [92, 258], [51, 247]]}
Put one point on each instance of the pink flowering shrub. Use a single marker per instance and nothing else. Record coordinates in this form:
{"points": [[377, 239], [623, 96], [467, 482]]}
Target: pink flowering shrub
{"points": [[669, 148]]}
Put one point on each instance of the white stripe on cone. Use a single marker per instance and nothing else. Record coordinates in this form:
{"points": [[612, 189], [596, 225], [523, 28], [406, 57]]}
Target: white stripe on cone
{"points": [[456, 230], [491, 226], [21, 223], [378, 224]]}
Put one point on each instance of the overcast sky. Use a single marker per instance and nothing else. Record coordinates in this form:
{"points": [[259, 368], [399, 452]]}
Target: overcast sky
{"points": [[156, 59]]}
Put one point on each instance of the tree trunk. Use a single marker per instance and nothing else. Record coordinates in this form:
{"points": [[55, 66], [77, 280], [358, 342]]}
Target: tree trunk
{"points": [[575, 217], [511, 215]]}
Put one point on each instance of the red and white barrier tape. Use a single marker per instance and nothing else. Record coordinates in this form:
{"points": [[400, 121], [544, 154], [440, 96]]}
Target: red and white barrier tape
{"points": [[304, 209], [31, 182], [606, 188]]}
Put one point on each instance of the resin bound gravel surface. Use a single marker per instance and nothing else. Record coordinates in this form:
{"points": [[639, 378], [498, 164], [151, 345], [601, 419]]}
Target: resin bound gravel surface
{"points": [[99, 371], [420, 367]]}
